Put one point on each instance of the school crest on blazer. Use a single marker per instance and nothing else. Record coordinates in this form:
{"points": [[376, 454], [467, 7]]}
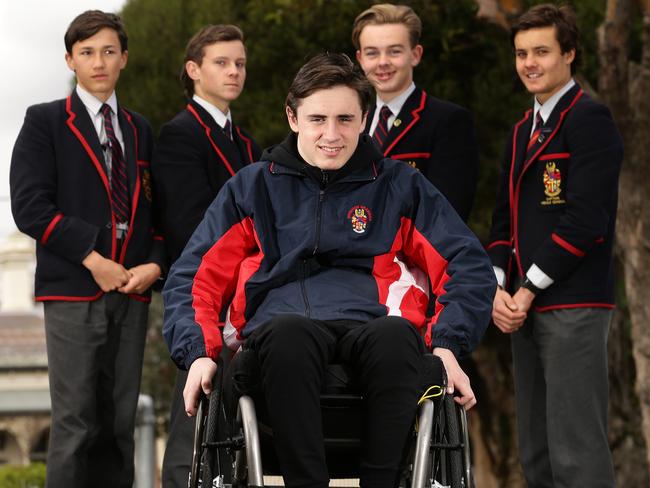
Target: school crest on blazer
{"points": [[552, 184]]}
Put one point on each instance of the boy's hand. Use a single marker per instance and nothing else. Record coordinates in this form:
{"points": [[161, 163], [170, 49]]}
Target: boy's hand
{"points": [[506, 313], [199, 377], [108, 274], [142, 277], [457, 380]]}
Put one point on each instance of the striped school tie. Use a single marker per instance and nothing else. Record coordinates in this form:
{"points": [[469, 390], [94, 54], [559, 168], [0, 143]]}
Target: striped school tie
{"points": [[119, 178], [381, 131], [537, 130]]}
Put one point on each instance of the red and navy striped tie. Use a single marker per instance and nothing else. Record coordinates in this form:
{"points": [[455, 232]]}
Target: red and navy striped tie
{"points": [[537, 130], [119, 178], [381, 131], [227, 129]]}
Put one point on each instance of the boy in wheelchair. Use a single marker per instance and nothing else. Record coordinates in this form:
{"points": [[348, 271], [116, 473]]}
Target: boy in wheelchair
{"points": [[326, 251]]}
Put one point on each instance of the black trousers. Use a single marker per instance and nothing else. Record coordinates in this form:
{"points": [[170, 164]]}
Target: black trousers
{"points": [[178, 452], [385, 355], [94, 353]]}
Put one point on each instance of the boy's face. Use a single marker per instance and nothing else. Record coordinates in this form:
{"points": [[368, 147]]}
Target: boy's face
{"points": [[97, 62], [541, 66], [328, 123], [220, 77], [387, 58]]}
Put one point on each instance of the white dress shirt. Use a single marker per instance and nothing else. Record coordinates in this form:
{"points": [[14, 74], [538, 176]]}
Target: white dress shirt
{"points": [[395, 106], [218, 116]]}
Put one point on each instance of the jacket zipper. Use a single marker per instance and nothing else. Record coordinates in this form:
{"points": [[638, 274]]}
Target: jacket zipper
{"points": [[321, 197], [303, 288]]}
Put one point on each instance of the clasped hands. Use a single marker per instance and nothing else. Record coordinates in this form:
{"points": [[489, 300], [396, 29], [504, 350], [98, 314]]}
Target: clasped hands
{"points": [[112, 276], [509, 311]]}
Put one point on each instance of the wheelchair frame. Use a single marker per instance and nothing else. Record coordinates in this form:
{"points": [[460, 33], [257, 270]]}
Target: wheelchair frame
{"points": [[439, 457]]}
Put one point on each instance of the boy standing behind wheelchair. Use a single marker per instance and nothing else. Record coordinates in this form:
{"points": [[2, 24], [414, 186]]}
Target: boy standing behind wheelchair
{"points": [[323, 251]]}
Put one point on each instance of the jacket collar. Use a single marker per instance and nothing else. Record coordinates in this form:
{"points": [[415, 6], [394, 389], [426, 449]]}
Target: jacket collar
{"points": [[361, 166]]}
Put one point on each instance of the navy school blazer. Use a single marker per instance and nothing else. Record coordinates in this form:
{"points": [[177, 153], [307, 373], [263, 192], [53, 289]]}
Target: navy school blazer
{"points": [[60, 196], [556, 205], [437, 138], [191, 162]]}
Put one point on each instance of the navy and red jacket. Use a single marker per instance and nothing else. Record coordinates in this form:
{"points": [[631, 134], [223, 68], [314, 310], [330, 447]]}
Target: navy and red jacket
{"points": [[438, 138], [278, 239], [556, 205], [191, 162], [60, 196]]}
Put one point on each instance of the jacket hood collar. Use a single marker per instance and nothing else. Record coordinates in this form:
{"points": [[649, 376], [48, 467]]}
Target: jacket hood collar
{"points": [[286, 154]]}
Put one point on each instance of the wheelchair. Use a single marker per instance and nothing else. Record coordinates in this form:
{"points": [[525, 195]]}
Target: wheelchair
{"points": [[231, 441]]}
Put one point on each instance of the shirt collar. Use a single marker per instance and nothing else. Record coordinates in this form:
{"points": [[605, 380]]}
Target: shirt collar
{"points": [[546, 109], [396, 104], [94, 104], [218, 116]]}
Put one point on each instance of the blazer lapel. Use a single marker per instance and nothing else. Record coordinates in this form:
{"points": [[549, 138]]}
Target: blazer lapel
{"points": [[130, 147], [244, 146], [82, 127], [520, 142], [216, 137], [371, 114], [407, 118]]}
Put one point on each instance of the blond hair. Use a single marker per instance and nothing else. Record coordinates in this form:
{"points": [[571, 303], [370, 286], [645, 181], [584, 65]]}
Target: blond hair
{"points": [[387, 13]]}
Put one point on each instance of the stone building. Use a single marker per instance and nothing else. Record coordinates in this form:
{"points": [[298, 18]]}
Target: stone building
{"points": [[24, 394]]}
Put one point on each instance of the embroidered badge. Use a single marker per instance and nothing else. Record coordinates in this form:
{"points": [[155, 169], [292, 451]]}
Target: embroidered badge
{"points": [[552, 185], [146, 184], [360, 217]]}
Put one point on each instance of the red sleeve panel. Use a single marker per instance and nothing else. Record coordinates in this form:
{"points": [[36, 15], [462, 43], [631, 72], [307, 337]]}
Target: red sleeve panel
{"points": [[215, 279]]}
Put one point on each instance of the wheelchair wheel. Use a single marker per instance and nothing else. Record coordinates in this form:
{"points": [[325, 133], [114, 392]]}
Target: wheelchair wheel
{"points": [[453, 467], [195, 476], [248, 462], [207, 460], [441, 456], [451, 455]]}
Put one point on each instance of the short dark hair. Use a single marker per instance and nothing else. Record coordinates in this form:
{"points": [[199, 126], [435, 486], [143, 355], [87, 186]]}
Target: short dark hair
{"points": [[89, 23], [195, 50], [387, 13], [328, 70], [547, 15]]}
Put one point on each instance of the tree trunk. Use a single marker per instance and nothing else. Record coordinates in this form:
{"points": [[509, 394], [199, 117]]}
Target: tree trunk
{"points": [[625, 87]]}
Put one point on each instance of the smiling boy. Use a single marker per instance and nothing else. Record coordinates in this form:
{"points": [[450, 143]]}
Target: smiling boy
{"points": [[197, 152], [551, 246], [432, 135], [80, 186], [321, 250]]}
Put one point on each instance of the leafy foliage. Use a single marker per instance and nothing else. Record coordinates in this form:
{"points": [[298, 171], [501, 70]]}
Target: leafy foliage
{"points": [[466, 60], [31, 476]]}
